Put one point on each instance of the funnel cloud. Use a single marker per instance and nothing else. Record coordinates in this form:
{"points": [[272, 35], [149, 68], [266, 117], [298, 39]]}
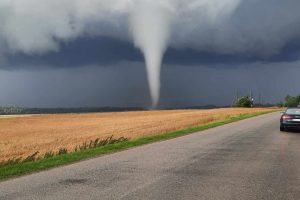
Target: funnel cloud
{"points": [[150, 24]]}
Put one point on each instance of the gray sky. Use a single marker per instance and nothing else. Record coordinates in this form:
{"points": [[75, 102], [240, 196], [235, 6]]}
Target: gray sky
{"points": [[68, 53], [124, 84]]}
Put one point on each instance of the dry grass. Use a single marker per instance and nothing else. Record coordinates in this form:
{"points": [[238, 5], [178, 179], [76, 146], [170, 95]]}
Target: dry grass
{"points": [[22, 136], [12, 116]]}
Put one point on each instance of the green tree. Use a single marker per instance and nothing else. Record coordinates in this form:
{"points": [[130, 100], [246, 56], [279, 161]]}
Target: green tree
{"points": [[298, 99], [244, 101], [291, 101], [280, 104]]}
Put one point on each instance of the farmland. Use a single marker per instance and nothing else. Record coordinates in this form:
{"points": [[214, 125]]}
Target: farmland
{"points": [[23, 136]]}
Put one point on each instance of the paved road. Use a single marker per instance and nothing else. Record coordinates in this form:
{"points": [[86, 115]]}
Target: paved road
{"points": [[250, 159]]}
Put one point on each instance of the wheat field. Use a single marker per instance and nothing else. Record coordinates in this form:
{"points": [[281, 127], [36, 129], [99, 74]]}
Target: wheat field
{"points": [[22, 136]]}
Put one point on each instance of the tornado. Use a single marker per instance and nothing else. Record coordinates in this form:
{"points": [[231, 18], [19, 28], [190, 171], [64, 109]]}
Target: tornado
{"points": [[150, 23]]}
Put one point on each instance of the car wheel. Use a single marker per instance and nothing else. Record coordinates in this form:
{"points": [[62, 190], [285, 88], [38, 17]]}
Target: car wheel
{"points": [[282, 128]]}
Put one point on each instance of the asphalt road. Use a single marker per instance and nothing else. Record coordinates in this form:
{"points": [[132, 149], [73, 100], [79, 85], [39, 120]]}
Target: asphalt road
{"points": [[249, 159]]}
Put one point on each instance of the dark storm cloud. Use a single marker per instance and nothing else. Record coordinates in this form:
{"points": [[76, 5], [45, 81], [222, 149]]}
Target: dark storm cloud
{"points": [[218, 85], [125, 84], [81, 52], [255, 28], [107, 51], [120, 85]]}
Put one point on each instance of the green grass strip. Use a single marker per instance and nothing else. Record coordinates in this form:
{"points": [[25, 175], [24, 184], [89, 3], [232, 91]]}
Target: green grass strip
{"points": [[14, 170]]}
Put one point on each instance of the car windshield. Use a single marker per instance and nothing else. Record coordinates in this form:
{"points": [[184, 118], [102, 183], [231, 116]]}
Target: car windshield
{"points": [[293, 111]]}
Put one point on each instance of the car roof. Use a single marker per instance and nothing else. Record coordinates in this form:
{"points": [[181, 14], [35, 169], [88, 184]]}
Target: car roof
{"points": [[290, 109]]}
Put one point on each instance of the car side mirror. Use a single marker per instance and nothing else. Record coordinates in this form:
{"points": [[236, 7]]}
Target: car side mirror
{"points": [[282, 113]]}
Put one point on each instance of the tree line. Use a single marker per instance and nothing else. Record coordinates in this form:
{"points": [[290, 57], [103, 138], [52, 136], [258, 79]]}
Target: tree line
{"points": [[22, 110], [289, 101]]}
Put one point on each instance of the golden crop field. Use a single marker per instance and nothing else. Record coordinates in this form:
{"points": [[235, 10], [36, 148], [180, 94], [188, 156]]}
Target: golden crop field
{"points": [[23, 136]]}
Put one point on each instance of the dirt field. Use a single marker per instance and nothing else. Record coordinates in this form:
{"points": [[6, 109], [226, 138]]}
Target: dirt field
{"points": [[22, 136]]}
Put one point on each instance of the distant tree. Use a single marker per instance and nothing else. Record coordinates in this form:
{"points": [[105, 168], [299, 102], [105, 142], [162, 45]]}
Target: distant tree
{"points": [[280, 104], [291, 101], [298, 99], [244, 101]]}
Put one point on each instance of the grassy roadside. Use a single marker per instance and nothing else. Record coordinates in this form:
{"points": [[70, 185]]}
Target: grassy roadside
{"points": [[34, 166]]}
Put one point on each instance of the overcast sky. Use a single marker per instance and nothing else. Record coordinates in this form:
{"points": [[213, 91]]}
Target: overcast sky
{"points": [[69, 53]]}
